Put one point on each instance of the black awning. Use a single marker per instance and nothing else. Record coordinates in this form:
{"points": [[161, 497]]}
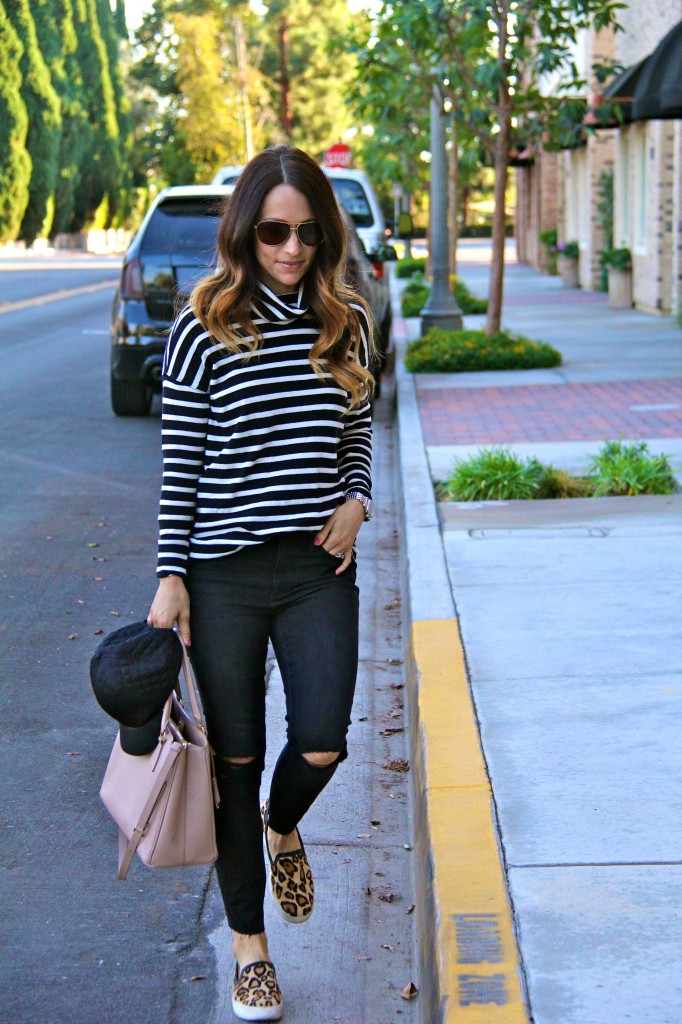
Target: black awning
{"points": [[658, 90], [623, 86]]}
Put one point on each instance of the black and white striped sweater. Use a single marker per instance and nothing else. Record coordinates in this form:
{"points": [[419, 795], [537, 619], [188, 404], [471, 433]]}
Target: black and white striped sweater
{"points": [[254, 447]]}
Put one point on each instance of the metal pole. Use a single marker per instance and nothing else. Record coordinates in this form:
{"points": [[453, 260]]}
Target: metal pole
{"points": [[440, 310]]}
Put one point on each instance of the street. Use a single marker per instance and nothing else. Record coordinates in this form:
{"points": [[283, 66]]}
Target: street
{"points": [[77, 540]]}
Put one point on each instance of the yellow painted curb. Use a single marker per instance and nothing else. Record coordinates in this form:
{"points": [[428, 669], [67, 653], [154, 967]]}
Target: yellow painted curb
{"points": [[477, 958], [63, 293]]}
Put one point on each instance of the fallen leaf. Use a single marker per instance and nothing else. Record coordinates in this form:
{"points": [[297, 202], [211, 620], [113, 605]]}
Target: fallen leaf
{"points": [[116, 614], [79, 600], [98, 632], [72, 636], [394, 661], [391, 731], [397, 686], [345, 862], [406, 846], [363, 835], [199, 977], [375, 823], [362, 719], [399, 764], [368, 891], [387, 897], [394, 713], [73, 753], [408, 910], [391, 949], [379, 874], [98, 579], [409, 991], [361, 958], [93, 545]]}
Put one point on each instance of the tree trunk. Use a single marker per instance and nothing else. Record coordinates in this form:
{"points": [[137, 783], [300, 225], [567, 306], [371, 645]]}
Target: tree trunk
{"points": [[495, 291], [243, 87], [284, 84], [453, 219]]}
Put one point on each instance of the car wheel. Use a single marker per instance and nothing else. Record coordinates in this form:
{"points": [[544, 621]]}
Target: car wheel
{"points": [[130, 397]]}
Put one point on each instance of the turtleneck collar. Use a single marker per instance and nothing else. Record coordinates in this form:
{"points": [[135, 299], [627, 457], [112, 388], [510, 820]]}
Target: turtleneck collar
{"points": [[274, 308]]}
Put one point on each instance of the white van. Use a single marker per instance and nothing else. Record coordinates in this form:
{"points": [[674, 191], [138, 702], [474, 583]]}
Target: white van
{"points": [[353, 189]]}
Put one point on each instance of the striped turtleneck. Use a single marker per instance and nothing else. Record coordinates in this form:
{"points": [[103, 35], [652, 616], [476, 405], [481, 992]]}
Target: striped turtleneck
{"points": [[254, 445]]}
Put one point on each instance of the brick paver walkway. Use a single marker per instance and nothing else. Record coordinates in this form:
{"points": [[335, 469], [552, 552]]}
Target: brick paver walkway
{"points": [[552, 412]]}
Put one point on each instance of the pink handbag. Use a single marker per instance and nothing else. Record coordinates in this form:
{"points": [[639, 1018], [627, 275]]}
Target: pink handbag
{"points": [[163, 802]]}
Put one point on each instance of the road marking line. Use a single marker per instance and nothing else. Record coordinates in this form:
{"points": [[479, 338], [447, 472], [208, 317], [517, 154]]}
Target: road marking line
{"points": [[475, 945], [63, 293]]}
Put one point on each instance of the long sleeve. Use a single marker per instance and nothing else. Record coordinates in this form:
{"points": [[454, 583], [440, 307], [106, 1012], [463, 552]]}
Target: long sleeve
{"points": [[184, 424], [355, 445]]}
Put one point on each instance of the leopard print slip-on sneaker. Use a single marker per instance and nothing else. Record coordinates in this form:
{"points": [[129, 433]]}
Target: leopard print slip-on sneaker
{"points": [[255, 992], [291, 880]]}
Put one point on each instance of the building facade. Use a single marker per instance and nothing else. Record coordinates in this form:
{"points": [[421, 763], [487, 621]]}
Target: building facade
{"points": [[638, 163]]}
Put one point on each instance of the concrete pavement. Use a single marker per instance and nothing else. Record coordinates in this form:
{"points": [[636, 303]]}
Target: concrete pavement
{"points": [[543, 653]]}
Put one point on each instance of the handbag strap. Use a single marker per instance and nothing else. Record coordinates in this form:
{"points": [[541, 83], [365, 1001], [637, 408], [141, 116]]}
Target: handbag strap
{"points": [[127, 847], [188, 673]]}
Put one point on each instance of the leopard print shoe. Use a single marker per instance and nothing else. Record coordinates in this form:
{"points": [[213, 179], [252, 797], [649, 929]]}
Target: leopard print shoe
{"points": [[291, 880], [255, 993]]}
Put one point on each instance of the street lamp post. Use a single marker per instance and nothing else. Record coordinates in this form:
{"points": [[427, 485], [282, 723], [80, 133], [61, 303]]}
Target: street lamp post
{"points": [[440, 310]]}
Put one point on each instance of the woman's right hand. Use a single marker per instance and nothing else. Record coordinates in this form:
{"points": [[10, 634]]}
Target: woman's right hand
{"points": [[171, 606]]}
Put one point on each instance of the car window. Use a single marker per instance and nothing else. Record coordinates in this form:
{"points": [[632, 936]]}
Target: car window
{"points": [[352, 195], [184, 225]]}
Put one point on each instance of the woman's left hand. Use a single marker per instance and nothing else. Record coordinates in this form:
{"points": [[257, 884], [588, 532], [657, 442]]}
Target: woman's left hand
{"points": [[338, 534]]}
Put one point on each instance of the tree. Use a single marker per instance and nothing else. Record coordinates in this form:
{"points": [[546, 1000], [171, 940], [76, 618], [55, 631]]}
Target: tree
{"points": [[308, 60], [15, 163], [44, 122], [99, 173], [488, 58], [208, 113]]}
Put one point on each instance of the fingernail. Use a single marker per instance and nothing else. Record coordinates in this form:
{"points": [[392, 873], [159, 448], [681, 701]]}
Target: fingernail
{"points": [[317, 541]]}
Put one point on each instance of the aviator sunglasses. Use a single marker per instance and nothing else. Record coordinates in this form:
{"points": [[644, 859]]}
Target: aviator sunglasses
{"points": [[276, 232]]}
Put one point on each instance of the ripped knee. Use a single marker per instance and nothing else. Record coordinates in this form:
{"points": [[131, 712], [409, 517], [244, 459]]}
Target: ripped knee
{"points": [[323, 760]]}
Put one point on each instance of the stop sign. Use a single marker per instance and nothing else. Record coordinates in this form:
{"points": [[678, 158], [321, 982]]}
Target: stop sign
{"points": [[338, 155]]}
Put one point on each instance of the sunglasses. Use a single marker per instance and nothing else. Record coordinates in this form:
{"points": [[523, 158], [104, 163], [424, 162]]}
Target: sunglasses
{"points": [[276, 232]]}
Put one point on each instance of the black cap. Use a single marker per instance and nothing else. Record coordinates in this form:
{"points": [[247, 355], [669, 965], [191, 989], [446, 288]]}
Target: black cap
{"points": [[133, 672]]}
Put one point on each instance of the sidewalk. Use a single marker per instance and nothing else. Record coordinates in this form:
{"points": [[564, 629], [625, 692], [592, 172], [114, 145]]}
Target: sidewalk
{"points": [[544, 672]]}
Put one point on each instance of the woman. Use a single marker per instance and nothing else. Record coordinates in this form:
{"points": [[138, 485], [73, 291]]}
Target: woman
{"points": [[267, 480]]}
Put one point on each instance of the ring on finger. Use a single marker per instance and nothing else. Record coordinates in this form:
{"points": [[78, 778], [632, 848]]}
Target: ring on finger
{"points": [[340, 554]]}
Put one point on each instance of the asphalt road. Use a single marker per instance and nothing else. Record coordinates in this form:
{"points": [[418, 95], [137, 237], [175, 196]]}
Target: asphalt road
{"points": [[78, 496]]}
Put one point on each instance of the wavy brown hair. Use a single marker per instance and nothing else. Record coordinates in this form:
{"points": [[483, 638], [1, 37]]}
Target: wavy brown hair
{"points": [[222, 301]]}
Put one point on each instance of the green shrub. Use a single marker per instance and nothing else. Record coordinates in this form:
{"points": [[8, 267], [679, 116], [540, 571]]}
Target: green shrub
{"points": [[549, 239], [417, 291], [410, 266], [571, 250], [493, 474], [468, 302], [414, 296], [619, 259], [498, 474], [464, 351], [621, 469]]}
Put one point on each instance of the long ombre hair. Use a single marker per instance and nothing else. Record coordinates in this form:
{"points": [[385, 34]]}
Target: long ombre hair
{"points": [[222, 301]]}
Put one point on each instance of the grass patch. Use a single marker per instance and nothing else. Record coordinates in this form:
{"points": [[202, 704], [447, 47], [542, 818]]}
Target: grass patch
{"points": [[498, 474], [468, 351]]}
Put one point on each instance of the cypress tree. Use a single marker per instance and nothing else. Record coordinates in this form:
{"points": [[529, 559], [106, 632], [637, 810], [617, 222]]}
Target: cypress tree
{"points": [[100, 168], [15, 163], [111, 39], [44, 120]]}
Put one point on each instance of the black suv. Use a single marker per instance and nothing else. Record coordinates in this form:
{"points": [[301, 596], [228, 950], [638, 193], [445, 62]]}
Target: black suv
{"points": [[174, 247]]}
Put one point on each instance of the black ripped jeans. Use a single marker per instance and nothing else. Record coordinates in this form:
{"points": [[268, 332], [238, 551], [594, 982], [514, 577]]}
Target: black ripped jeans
{"points": [[285, 590]]}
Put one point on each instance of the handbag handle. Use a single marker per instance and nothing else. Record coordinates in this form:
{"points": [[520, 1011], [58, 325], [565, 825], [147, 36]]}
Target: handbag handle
{"points": [[191, 682]]}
